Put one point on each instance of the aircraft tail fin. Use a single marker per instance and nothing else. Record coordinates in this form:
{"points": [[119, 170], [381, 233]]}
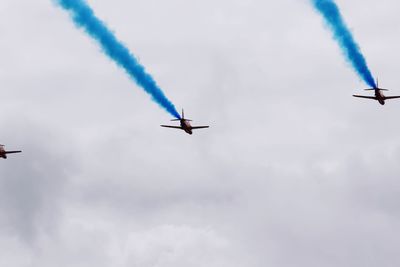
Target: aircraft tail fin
{"points": [[183, 116], [377, 86]]}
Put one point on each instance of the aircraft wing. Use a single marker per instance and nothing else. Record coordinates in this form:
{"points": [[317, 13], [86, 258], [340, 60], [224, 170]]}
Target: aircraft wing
{"points": [[174, 127], [363, 96], [12, 152], [391, 97], [199, 127]]}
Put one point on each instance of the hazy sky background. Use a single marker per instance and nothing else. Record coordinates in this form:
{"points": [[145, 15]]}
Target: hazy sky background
{"points": [[293, 171]]}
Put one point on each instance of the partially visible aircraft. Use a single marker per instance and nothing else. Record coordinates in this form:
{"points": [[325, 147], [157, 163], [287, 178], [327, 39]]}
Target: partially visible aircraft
{"points": [[185, 125], [3, 152], [379, 96]]}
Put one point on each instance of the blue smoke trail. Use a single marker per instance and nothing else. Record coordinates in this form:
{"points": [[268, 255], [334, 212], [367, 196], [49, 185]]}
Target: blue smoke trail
{"points": [[85, 18], [331, 13]]}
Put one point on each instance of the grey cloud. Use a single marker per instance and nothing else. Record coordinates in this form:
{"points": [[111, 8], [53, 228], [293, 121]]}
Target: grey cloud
{"points": [[33, 183], [292, 172]]}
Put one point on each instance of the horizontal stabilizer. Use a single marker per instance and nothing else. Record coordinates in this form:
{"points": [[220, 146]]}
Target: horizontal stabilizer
{"points": [[181, 119], [374, 89]]}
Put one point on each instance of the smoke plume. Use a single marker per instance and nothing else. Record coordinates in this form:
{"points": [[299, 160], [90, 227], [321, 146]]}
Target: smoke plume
{"points": [[85, 18]]}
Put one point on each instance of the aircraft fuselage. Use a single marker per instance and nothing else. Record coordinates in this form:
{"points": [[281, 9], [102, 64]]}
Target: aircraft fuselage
{"points": [[380, 96], [186, 126], [2, 153]]}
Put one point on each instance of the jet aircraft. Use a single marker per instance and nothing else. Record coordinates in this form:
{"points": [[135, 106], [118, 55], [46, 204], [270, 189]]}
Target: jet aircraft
{"points": [[379, 96], [185, 125], [3, 152]]}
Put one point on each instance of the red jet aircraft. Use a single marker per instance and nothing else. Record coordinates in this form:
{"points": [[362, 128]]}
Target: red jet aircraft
{"points": [[185, 125], [379, 96]]}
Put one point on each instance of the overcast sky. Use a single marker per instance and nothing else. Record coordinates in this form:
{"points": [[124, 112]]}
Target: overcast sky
{"points": [[293, 171]]}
